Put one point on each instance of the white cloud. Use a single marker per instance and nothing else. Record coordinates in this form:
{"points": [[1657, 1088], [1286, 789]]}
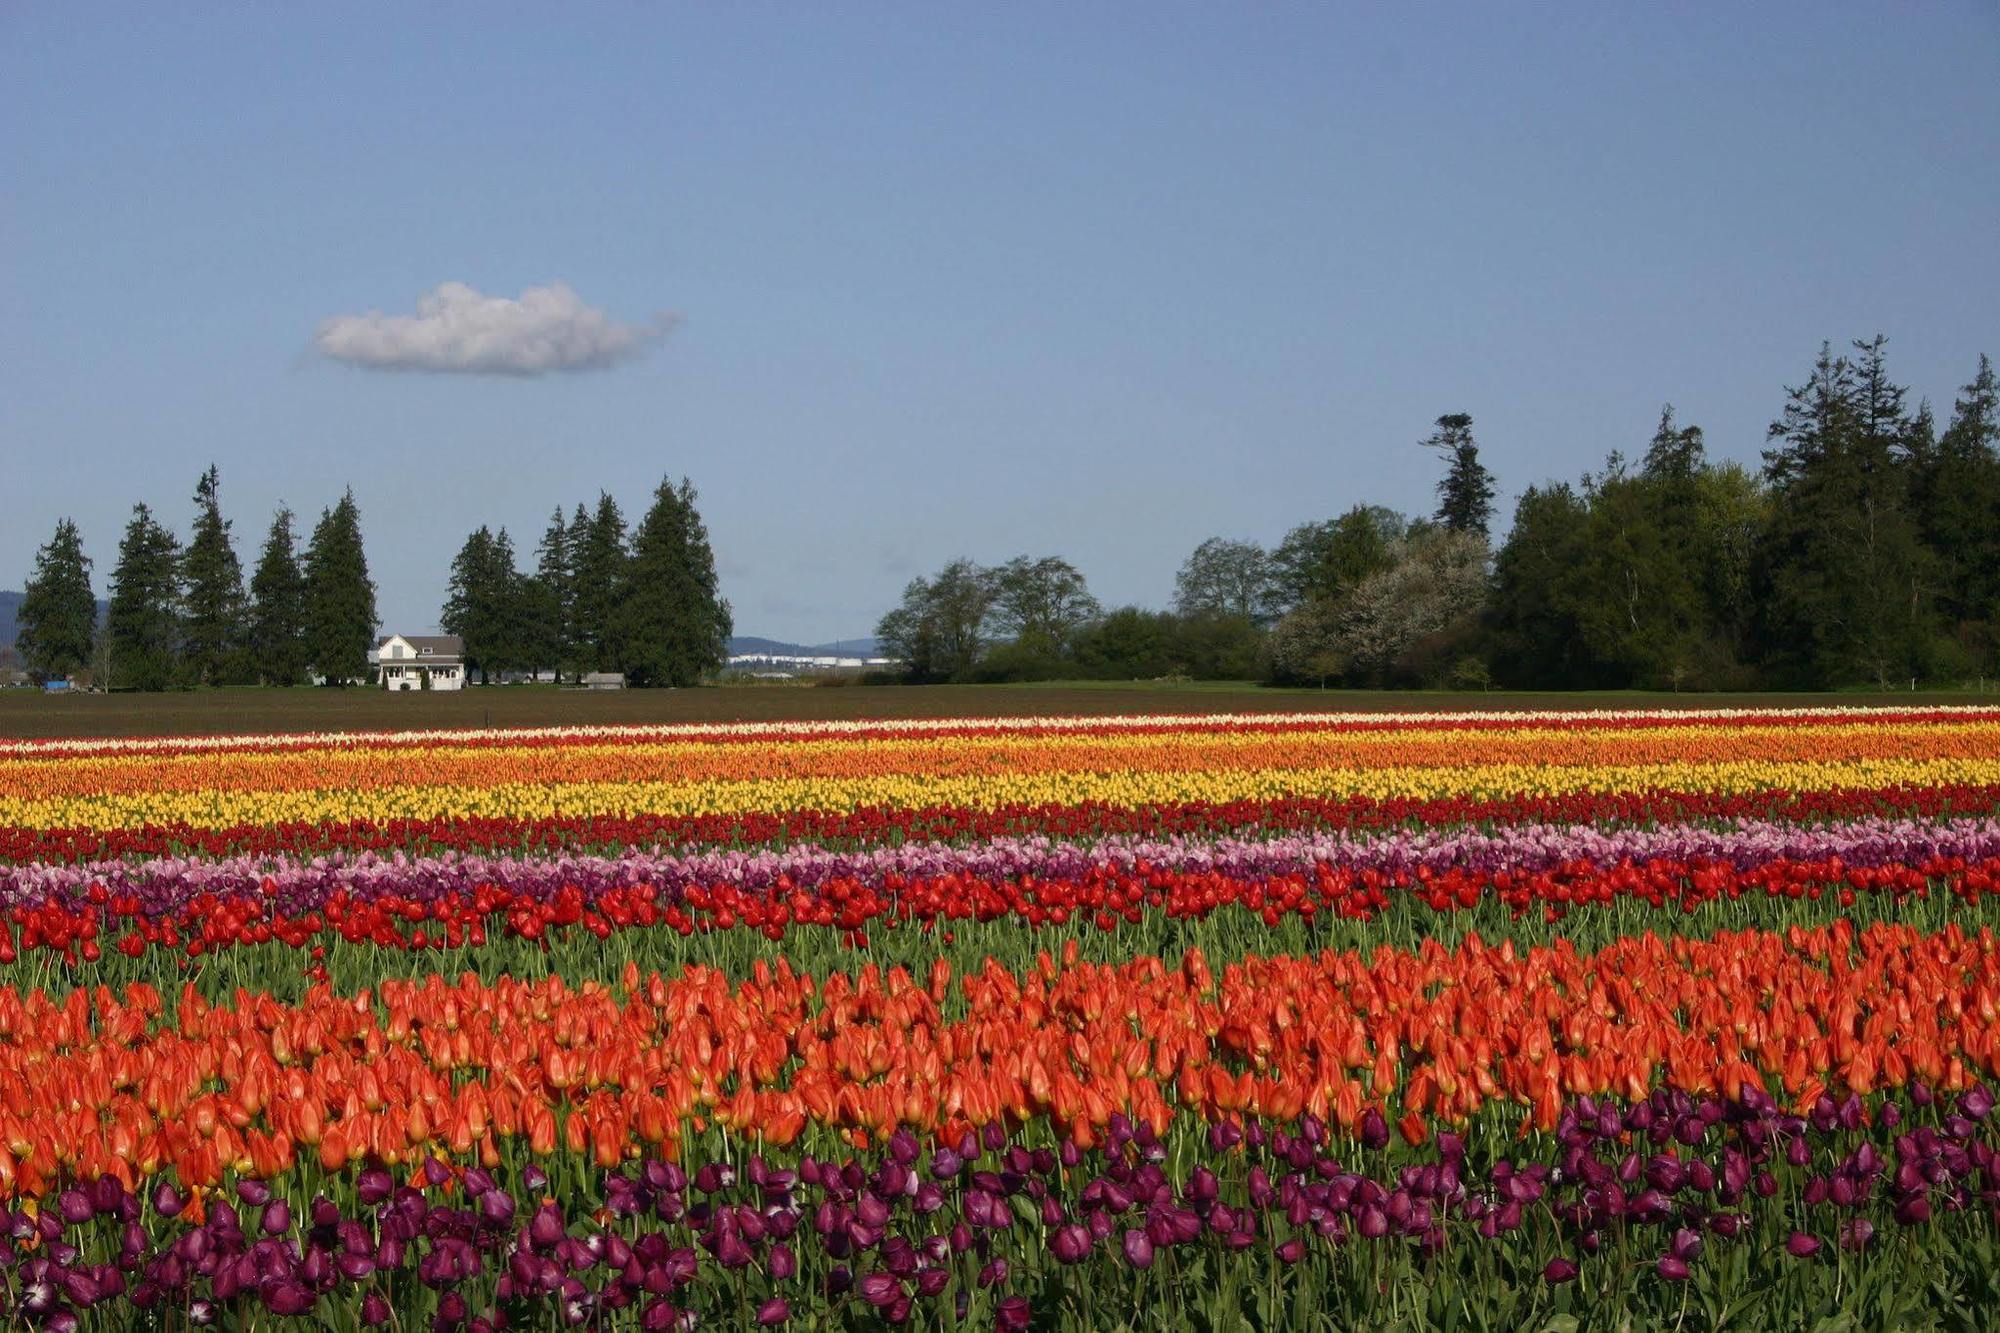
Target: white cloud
{"points": [[460, 329]]}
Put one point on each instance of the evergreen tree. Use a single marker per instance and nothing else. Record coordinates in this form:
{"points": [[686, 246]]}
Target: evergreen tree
{"points": [[1675, 453], [600, 555], [1955, 493], [552, 599], [484, 604], [278, 607], [340, 599], [143, 627], [1465, 495], [57, 618], [1842, 566], [214, 632], [672, 626]]}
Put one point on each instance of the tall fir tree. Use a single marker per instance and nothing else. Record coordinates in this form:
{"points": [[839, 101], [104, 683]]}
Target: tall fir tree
{"points": [[601, 557], [278, 607], [484, 604], [214, 629], [340, 598], [143, 626], [1956, 495], [1841, 565], [551, 603], [674, 626], [57, 619], [1465, 495]]}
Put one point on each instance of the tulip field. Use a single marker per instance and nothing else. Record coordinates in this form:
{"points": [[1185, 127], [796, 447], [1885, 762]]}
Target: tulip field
{"points": [[1528, 1020]]}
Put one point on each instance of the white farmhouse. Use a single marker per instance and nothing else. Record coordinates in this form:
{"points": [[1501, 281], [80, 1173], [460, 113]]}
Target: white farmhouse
{"points": [[422, 662]]}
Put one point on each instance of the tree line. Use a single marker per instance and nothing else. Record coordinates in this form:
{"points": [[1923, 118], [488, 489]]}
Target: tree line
{"points": [[1864, 550], [181, 615], [643, 603]]}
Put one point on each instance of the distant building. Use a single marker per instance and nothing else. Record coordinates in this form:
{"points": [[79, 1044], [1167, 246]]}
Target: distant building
{"points": [[604, 680], [421, 662], [815, 662]]}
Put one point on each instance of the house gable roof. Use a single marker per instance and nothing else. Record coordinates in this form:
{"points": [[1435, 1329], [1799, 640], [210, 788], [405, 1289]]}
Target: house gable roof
{"points": [[431, 645]]}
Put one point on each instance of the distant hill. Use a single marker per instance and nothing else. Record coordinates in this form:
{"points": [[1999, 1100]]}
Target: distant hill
{"points": [[865, 646]]}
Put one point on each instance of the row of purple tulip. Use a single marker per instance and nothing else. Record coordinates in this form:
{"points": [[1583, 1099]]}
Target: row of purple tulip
{"points": [[1004, 1232]]}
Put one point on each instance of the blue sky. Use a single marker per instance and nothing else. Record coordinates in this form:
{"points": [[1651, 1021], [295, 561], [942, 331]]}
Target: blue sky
{"points": [[1090, 280]]}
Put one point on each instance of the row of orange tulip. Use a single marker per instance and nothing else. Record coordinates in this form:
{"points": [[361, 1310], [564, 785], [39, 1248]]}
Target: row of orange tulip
{"points": [[125, 1086]]}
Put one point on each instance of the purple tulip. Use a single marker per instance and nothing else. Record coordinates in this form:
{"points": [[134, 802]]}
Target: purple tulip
{"points": [[1559, 1270], [1071, 1244], [1802, 1246], [784, 1264], [774, 1311], [1138, 1249], [880, 1290], [167, 1200], [286, 1298], [496, 1207], [374, 1186], [1672, 1269]]}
